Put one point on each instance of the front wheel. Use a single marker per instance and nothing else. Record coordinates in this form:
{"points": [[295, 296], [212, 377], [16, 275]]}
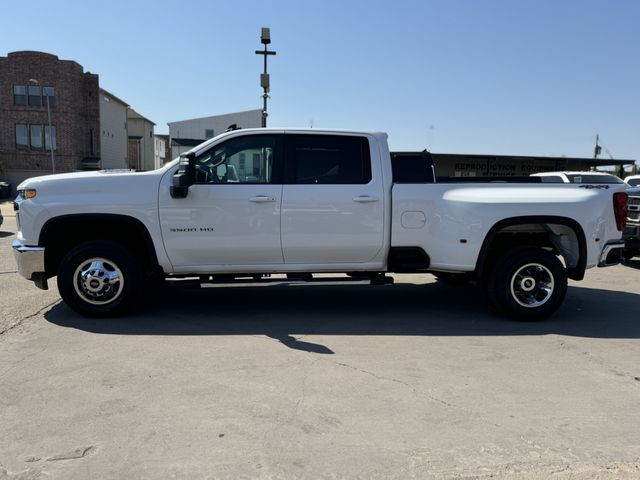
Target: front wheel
{"points": [[527, 283], [99, 278]]}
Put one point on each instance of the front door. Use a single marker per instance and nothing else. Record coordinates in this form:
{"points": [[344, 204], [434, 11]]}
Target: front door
{"points": [[231, 216]]}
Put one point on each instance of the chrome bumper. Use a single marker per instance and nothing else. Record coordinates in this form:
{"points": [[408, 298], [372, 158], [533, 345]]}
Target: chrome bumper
{"points": [[30, 260], [611, 254]]}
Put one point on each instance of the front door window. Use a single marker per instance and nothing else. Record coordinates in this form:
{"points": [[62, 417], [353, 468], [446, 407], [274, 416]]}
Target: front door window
{"points": [[227, 162]]}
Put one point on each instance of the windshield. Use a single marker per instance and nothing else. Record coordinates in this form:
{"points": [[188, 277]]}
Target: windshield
{"points": [[634, 182], [579, 178]]}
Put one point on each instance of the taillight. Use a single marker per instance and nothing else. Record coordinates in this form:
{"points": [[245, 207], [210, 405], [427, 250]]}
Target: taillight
{"points": [[620, 209]]}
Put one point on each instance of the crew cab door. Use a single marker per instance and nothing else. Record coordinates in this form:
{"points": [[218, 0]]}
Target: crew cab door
{"points": [[231, 216], [332, 200]]}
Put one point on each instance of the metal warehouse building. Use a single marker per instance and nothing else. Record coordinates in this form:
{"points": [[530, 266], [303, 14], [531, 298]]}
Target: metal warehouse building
{"points": [[461, 165]]}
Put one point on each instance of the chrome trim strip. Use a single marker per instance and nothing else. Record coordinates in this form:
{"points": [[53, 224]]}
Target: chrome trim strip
{"points": [[602, 262]]}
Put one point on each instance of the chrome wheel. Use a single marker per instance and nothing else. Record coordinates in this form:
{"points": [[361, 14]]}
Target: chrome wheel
{"points": [[98, 281], [532, 285]]}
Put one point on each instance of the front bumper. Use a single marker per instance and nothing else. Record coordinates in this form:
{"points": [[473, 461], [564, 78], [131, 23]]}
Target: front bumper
{"points": [[611, 253], [30, 262], [631, 236]]}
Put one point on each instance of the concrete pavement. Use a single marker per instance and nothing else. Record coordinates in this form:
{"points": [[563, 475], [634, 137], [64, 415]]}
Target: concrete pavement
{"points": [[416, 380]]}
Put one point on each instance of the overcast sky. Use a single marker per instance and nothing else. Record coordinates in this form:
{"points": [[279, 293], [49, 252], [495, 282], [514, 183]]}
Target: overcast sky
{"points": [[505, 77]]}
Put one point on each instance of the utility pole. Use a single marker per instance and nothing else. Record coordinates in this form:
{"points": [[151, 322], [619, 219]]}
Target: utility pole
{"points": [[265, 39], [35, 82], [598, 149]]}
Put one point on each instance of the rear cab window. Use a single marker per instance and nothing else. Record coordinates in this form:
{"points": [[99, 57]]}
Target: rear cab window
{"points": [[577, 178], [412, 168], [551, 179]]}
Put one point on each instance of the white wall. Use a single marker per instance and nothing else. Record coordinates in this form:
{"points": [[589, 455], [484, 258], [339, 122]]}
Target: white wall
{"points": [[195, 128], [159, 152], [139, 127], [113, 132]]}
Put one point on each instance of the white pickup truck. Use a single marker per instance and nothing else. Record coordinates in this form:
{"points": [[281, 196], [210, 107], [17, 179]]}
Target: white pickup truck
{"points": [[252, 203]]}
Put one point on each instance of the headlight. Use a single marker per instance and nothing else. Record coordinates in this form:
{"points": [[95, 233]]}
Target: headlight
{"points": [[27, 193]]}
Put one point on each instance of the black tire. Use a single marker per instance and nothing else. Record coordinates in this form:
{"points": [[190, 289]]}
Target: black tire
{"points": [[527, 283], [111, 282], [452, 279], [628, 254]]}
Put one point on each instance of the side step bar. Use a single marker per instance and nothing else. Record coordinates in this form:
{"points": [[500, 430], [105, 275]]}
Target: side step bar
{"points": [[293, 281]]}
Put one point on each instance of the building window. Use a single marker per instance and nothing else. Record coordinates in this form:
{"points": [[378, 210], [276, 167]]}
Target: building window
{"points": [[22, 136], [49, 136], [208, 133], [36, 137], [49, 93], [19, 95], [35, 96]]}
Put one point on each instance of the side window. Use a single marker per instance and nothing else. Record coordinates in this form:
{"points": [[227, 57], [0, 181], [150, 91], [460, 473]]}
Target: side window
{"points": [[551, 179], [226, 162], [327, 159], [411, 168]]}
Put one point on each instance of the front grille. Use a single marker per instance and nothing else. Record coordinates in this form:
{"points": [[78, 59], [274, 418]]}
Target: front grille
{"points": [[633, 210]]}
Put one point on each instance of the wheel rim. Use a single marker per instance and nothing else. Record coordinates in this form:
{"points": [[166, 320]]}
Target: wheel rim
{"points": [[98, 281], [532, 285]]}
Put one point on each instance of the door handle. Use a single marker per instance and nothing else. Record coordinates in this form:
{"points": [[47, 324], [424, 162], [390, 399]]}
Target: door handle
{"points": [[365, 199], [261, 199]]}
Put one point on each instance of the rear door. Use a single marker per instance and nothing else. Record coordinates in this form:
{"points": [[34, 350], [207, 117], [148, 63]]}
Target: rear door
{"points": [[332, 200]]}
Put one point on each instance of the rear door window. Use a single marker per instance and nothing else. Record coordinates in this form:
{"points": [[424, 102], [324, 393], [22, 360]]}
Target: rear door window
{"points": [[327, 159]]}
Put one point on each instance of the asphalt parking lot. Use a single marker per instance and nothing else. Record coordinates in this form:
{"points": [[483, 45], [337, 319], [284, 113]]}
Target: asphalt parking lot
{"points": [[415, 380]]}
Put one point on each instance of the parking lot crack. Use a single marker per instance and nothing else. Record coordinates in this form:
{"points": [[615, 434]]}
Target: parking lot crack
{"points": [[16, 324], [395, 380], [73, 455]]}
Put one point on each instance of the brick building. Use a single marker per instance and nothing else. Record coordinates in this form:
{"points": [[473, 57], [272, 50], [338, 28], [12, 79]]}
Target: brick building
{"points": [[27, 80]]}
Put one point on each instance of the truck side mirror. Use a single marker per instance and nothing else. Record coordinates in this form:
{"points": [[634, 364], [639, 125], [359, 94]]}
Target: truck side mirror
{"points": [[184, 177]]}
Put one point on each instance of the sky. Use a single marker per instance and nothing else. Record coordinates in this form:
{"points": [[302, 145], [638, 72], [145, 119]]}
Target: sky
{"points": [[526, 77]]}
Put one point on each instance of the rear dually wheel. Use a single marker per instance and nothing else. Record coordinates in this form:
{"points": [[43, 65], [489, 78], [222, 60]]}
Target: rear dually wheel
{"points": [[527, 283]]}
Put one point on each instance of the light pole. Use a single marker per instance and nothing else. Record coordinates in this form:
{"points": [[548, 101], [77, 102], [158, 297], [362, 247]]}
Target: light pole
{"points": [[33, 81], [265, 38]]}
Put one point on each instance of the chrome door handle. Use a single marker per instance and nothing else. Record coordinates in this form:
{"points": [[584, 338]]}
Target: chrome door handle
{"points": [[261, 199], [365, 199]]}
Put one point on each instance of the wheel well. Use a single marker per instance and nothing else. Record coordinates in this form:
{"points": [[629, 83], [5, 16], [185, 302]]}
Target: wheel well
{"points": [[59, 235], [563, 236]]}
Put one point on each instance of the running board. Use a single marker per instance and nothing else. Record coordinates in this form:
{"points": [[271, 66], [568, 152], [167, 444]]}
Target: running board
{"points": [[276, 282]]}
